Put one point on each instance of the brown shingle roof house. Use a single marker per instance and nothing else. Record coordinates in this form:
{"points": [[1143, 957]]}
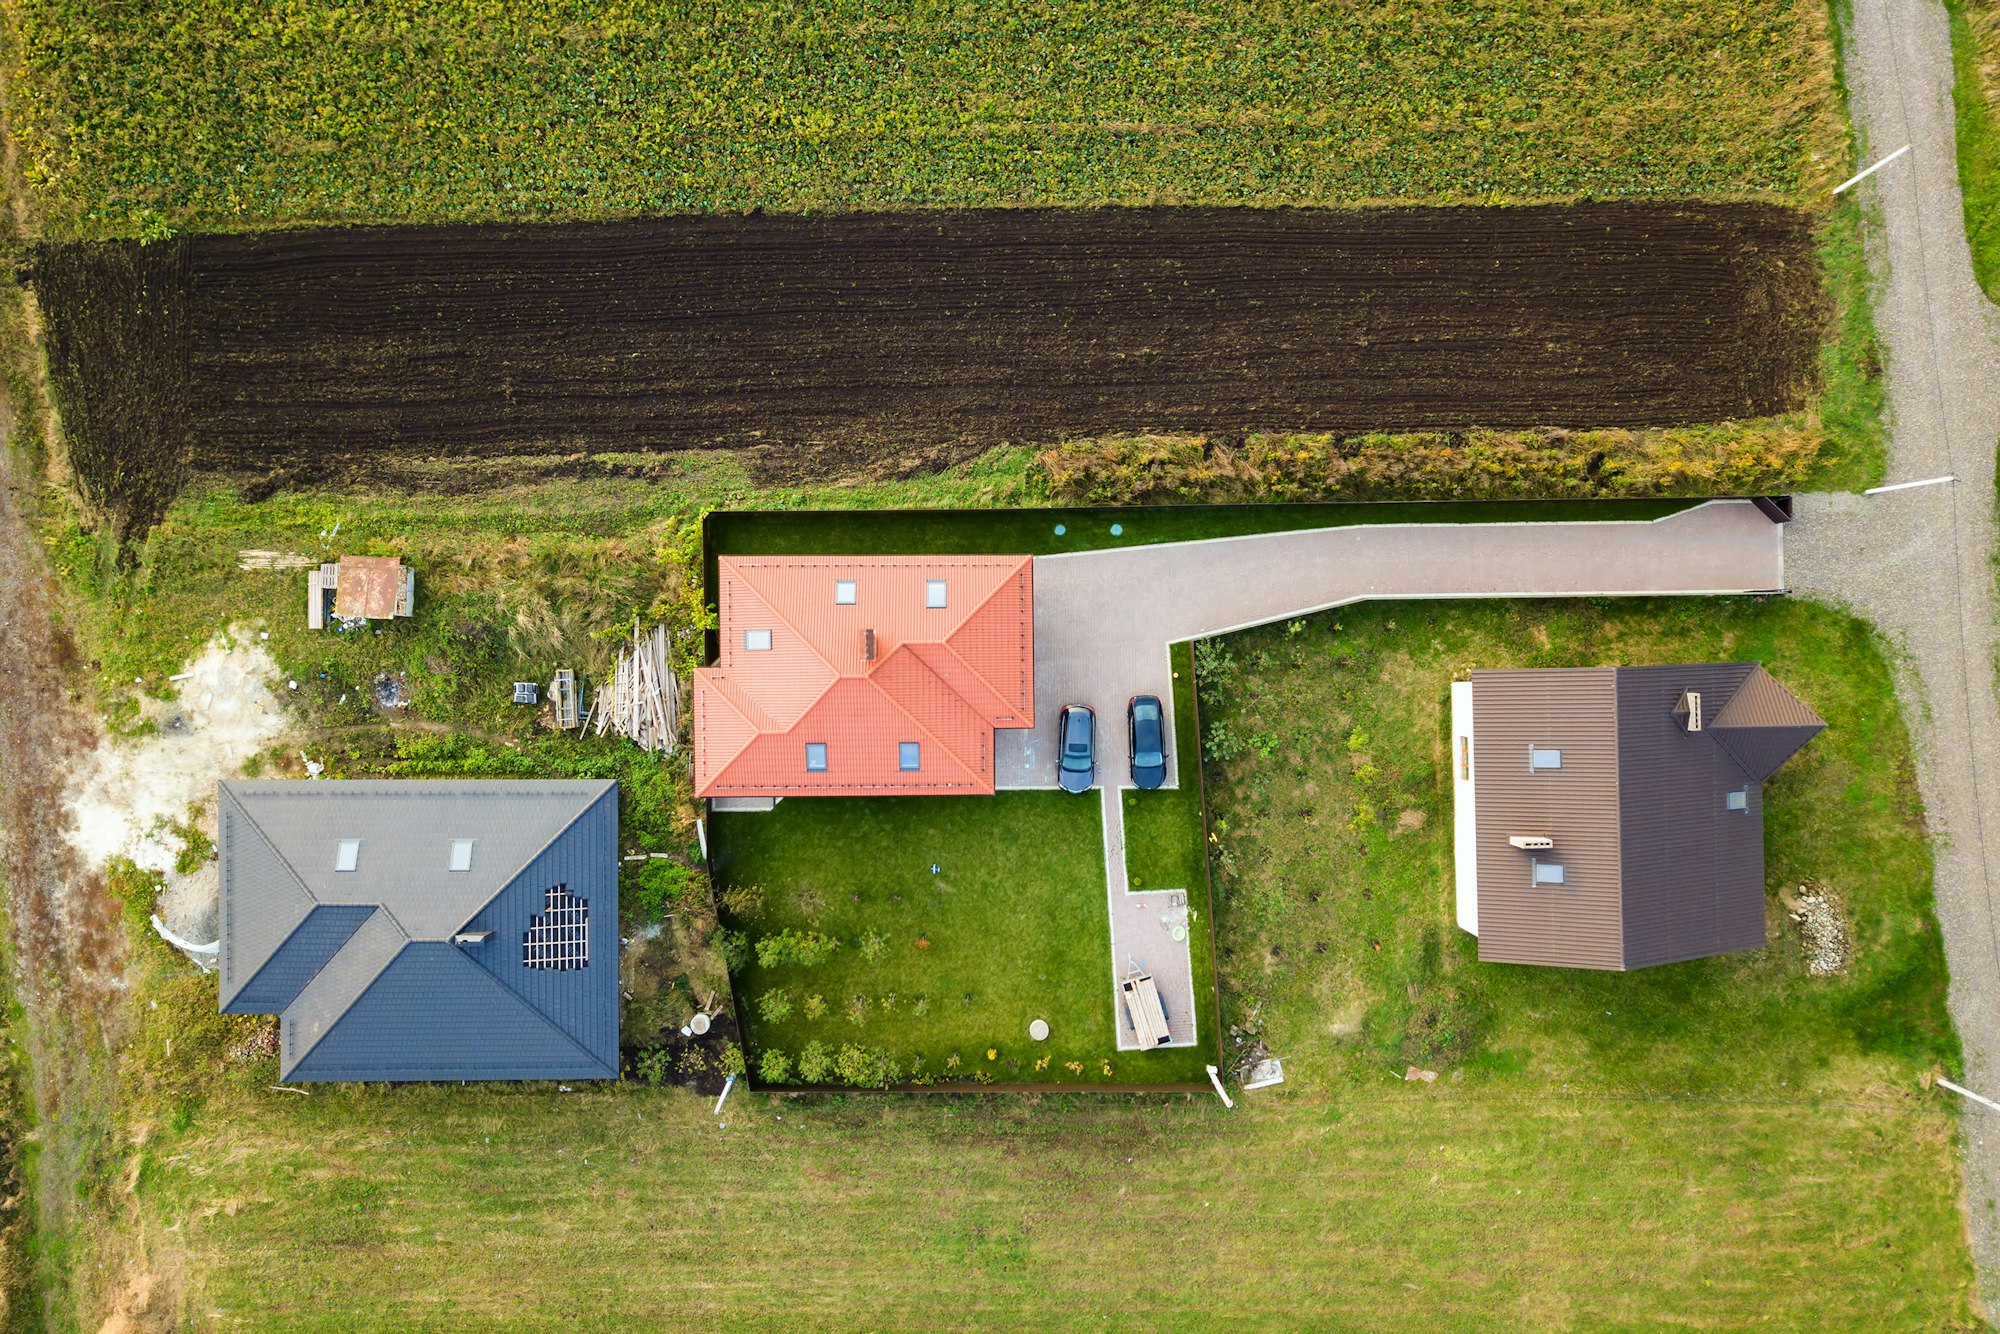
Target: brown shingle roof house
{"points": [[1613, 817]]}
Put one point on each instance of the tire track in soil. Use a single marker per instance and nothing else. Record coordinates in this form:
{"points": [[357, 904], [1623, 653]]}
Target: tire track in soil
{"points": [[851, 340]]}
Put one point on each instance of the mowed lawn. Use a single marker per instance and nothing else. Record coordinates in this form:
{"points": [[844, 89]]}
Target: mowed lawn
{"points": [[1402, 1207], [226, 114], [1011, 928]]}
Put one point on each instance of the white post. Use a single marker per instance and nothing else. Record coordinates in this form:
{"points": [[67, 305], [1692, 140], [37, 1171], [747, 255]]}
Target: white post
{"points": [[1866, 172], [1215, 1078], [1905, 486], [1966, 1092], [727, 1084]]}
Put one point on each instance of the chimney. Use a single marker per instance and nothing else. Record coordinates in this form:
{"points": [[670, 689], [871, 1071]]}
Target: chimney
{"points": [[868, 646], [1687, 711]]}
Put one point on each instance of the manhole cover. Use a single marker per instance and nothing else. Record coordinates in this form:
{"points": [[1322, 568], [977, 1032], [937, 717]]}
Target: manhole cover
{"points": [[1039, 1030]]}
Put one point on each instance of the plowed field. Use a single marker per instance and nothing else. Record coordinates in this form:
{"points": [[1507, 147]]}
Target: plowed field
{"points": [[873, 334]]}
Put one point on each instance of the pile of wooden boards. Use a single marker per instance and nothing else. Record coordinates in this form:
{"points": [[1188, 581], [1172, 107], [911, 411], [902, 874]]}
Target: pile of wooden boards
{"points": [[642, 701]]}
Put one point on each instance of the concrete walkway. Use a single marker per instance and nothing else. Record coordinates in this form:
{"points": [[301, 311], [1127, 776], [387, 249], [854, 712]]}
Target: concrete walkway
{"points": [[1104, 619], [1918, 562], [1142, 926]]}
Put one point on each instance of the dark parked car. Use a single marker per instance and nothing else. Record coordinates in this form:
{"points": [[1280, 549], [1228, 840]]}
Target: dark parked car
{"points": [[1077, 728], [1148, 735]]}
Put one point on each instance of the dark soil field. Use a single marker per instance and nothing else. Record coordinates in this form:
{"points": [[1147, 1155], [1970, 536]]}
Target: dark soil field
{"points": [[843, 341]]}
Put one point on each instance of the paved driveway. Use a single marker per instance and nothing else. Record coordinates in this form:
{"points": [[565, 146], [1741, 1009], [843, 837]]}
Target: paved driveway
{"points": [[1104, 619]]}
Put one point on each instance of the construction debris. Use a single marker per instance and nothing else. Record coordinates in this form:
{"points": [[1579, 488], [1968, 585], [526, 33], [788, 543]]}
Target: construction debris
{"points": [[255, 559], [642, 701], [1822, 930], [526, 692]]}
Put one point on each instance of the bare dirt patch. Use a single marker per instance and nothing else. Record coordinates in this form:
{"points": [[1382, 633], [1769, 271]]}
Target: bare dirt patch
{"points": [[819, 343]]}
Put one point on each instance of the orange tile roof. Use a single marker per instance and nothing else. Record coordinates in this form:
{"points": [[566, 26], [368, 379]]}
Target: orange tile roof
{"points": [[943, 677]]}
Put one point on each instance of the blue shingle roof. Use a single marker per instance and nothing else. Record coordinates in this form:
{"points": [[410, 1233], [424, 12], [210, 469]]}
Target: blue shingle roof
{"points": [[390, 981]]}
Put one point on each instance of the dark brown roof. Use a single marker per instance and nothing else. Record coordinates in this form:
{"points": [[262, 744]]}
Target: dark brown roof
{"points": [[1656, 867]]}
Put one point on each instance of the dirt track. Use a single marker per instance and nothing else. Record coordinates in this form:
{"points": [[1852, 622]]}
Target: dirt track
{"points": [[877, 334]]}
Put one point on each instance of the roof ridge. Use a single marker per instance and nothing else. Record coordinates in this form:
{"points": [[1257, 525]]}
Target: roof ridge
{"points": [[334, 1017], [917, 722], [1025, 562], [271, 843], [778, 611], [610, 787]]}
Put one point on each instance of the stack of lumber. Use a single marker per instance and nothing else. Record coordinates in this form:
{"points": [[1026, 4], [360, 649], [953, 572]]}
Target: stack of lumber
{"points": [[642, 701]]}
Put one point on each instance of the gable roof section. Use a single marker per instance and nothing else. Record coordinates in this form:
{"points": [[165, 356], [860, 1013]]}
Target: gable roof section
{"points": [[1764, 724], [943, 677], [342, 964]]}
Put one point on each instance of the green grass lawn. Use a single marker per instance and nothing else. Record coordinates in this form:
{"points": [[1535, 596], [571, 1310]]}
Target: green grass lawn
{"points": [[224, 114], [1341, 841], [1013, 926], [1975, 55]]}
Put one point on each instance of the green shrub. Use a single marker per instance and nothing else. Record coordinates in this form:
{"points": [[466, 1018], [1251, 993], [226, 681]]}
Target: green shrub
{"points": [[873, 945], [774, 1006], [653, 1066], [734, 947], [661, 884], [730, 1061], [866, 1067], [804, 948], [815, 1006], [773, 1066], [857, 1010], [743, 900], [814, 1063]]}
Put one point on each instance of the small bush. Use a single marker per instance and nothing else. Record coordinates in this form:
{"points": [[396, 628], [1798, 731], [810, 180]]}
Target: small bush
{"points": [[734, 947], [867, 1067], [873, 945], [857, 1011], [815, 1006], [774, 1006], [653, 1067], [730, 1061], [804, 948], [658, 885], [773, 1066], [743, 900], [814, 1063], [921, 1006]]}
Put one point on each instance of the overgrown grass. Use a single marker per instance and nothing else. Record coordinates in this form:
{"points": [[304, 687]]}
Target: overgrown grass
{"points": [[1852, 394], [1011, 928], [226, 114], [1438, 1208], [1975, 94], [1342, 842]]}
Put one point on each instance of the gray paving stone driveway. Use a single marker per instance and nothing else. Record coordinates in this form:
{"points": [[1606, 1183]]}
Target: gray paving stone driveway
{"points": [[1104, 619]]}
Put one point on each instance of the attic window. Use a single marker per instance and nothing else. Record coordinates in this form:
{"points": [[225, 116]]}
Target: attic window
{"points": [[1544, 757], [934, 593], [757, 641], [348, 855], [461, 854], [844, 592], [1739, 800], [558, 936], [815, 757], [909, 756], [1548, 873]]}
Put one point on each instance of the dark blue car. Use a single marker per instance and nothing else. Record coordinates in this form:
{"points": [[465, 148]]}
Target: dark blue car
{"points": [[1077, 731], [1145, 726]]}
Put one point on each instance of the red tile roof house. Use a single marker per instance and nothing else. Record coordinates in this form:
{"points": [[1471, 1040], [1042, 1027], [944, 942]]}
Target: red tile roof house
{"points": [[863, 675]]}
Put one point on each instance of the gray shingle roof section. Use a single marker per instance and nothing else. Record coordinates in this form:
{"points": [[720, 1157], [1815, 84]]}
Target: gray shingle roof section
{"points": [[255, 924], [317, 938], [1764, 724], [337, 953]]}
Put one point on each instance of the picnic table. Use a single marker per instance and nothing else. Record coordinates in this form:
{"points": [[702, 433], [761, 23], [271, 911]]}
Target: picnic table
{"points": [[1144, 1009]]}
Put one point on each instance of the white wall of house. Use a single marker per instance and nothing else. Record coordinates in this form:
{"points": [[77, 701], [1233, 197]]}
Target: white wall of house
{"points": [[1465, 841]]}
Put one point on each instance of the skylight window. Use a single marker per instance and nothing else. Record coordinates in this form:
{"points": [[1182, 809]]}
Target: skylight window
{"points": [[558, 937], [757, 641], [844, 592], [348, 855], [909, 757], [1548, 873], [934, 592], [461, 854], [1739, 800], [1544, 757], [815, 757]]}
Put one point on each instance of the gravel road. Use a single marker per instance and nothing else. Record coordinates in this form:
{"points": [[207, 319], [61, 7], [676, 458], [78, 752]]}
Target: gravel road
{"points": [[1918, 563]]}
